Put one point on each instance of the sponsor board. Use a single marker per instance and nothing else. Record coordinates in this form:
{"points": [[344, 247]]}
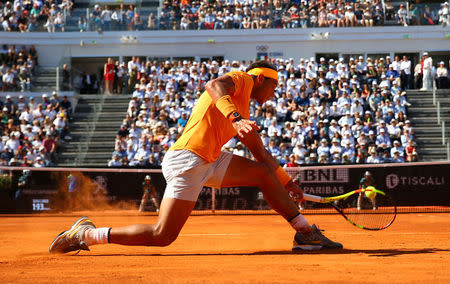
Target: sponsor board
{"points": [[337, 175], [413, 185], [395, 180]]}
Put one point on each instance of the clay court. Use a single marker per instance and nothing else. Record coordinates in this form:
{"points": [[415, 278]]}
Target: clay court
{"points": [[231, 249]]}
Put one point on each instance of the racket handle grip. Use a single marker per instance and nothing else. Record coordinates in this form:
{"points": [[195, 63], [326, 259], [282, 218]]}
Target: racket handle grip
{"points": [[313, 198]]}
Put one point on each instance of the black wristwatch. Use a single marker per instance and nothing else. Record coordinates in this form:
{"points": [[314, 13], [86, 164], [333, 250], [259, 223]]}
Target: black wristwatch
{"points": [[234, 116]]}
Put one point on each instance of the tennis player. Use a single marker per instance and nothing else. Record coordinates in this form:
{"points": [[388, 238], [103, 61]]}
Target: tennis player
{"points": [[148, 190], [196, 160]]}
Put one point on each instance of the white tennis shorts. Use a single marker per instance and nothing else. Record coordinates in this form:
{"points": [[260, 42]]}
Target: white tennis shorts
{"points": [[186, 173]]}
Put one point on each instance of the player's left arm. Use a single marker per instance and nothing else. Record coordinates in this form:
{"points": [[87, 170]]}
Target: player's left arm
{"points": [[254, 143]]}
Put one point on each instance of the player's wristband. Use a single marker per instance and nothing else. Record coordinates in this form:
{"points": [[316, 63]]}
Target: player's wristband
{"points": [[282, 176], [226, 106]]}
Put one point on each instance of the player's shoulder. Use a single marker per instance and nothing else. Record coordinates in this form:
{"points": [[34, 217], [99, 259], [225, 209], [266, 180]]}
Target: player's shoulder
{"points": [[238, 74], [240, 78]]}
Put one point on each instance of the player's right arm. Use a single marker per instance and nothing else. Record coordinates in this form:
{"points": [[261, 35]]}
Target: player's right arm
{"points": [[254, 143], [220, 90]]}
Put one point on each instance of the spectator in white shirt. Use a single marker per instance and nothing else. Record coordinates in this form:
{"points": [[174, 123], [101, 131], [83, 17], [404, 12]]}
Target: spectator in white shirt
{"points": [[332, 74], [12, 144], [335, 111], [8, 80], [38, 114], [347, 139], [406, 136], [28, 133], [398, 148], [239, 150], [405, 73], [346, 119], [26, 115], [356, 107], [397, 158], [335, 147], [323, 148], [349, 150], [394, 130], [39, 163], [373, 158], [115, 161], [427, 72], [334, 127], [383, 142], [442, 76], [264, 138], [299, 151]]}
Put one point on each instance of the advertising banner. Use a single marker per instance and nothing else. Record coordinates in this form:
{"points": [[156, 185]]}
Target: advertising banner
{"points": [[40, 191]]}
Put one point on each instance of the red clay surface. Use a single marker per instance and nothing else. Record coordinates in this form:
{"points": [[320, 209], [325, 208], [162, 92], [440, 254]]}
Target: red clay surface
{"points": [[231, 249]]}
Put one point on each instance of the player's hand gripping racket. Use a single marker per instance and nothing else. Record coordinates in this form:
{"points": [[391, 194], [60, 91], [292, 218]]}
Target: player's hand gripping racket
{"points": [[369, 209]]}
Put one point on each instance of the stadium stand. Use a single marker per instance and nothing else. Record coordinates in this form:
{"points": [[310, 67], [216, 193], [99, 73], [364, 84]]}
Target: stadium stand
{"points": [[17, 67], [51, 16], [32, 128], [87, 16], [324, 112]]}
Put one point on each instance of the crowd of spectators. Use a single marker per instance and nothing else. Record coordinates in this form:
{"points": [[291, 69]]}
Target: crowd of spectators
{"points": [[17, 66], [331, 111], [31, 16], [32, 129], [262, 14], [51, 15]]}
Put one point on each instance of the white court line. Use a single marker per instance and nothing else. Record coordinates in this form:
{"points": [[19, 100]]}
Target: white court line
{"points": [[410, 233], [355, 233], [190, 235]]}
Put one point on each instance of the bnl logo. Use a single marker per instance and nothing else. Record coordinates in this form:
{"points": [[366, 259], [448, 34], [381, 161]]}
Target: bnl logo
{"points": [[325, 176]]}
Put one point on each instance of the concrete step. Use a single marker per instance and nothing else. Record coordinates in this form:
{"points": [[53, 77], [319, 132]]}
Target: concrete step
{"points": [[432, 151], [428, 135], [435, 141], [433, 114], [433, 158], [442, 100], [97, 138], [113, 107], [74, 146], [43, 88], [82, 129], [416, 92], [117, 97], [423, 120]]}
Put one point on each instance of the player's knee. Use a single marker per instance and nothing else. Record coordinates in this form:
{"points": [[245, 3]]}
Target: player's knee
{"points": [[164, 237]]}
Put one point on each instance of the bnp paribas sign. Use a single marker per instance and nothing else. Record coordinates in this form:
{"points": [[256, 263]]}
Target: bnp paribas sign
{"points": [[326, 175]]}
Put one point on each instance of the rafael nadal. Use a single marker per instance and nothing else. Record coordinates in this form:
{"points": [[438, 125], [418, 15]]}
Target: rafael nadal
{"points": [[196, 160]]}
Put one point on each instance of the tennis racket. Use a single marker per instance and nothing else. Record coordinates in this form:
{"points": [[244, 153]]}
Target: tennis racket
{"points": [[368, 209]]}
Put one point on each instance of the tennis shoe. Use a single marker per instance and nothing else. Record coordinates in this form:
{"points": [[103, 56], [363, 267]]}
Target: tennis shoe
{"points": [[314, 240], [72, 239]]}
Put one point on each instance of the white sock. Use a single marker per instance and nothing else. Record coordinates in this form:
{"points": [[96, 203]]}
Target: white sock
{"points": [[300, 224], [96, 236]]}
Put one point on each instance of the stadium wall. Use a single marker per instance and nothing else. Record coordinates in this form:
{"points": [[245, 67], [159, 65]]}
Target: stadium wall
{"points": [[233, 44], [421, 184]]}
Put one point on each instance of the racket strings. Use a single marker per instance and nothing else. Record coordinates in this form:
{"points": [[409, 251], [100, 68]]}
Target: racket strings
{"points": [[370, 213]]}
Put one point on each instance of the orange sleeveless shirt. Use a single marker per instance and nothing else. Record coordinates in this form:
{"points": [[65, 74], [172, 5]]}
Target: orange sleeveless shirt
{"points": [[207, 130]]}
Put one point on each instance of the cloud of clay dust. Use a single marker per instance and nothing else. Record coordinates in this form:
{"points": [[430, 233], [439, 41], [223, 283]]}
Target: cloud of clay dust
{"points": [[86, 194]]}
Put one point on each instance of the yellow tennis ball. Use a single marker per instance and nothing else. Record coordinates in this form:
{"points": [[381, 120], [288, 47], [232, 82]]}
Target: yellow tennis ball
{"points": [[370, 193]]}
